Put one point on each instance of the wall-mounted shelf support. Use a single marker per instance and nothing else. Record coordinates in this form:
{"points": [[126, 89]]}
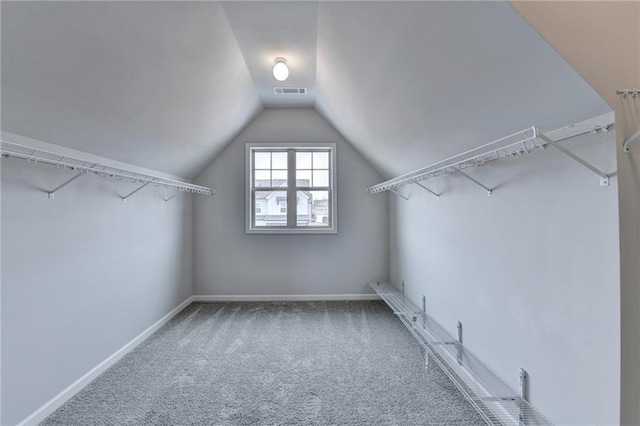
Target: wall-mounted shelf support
{"points": [[172, 197], [512, 146], [627, 144], [626, 147], [494, 400], [524, 393], [35, 156], [124, 199], [604, 178], [65, 183], [489, 190], [428, 190], [399, 195]]}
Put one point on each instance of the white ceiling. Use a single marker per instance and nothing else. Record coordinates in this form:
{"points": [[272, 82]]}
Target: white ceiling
{"points": [[411, 83], [268, 30], [161, 85], [166, 85]]}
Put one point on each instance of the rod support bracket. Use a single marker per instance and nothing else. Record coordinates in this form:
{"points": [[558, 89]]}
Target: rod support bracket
{"points": [[524, 394], [604, 178], [489, 190], [627, 143]]}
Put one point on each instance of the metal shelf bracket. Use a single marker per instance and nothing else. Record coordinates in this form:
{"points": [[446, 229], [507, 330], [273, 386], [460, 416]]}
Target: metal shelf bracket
{"points": [[83, 165], [489, 190], [604, 178], [494, 400], [428, 190], [172, 197], [511, 146], [124, 199], [399, 194], [65, 183], [523, 384], [627, 144]]}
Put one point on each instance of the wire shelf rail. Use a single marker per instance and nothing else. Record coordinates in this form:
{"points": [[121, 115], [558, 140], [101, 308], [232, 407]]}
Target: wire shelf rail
{"points": [[516, 144], [495, 401], [81, 166]]}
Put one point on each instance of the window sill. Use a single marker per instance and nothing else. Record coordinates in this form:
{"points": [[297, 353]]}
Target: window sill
{"points": [[299, 231]]}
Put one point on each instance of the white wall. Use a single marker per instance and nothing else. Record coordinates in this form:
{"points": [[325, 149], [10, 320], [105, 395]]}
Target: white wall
{"points": [[532, 272], [82, 275], [230, 262], [601, 40]]}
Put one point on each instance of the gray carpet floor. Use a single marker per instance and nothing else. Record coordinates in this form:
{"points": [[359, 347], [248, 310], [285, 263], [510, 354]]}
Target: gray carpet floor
{"points": [[295, 363]]}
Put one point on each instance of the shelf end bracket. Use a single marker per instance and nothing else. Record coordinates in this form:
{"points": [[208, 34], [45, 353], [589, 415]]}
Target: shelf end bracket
{"points": [[399, 194], [604, 178], [489, 190], [428, 190], [51, 193], [627, 144], [124, 199]]}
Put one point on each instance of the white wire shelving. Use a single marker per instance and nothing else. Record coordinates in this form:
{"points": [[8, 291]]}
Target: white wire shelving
{"points": [[84, 166], [495, 401], [630, 93], [514, 145]]}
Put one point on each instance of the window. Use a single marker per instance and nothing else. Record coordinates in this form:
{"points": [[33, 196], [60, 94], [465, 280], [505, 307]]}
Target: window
{"points": [[291, 189]]}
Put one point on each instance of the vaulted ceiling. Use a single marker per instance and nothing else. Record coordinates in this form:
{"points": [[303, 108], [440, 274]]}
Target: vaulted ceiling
{"points": [[166, 85]]}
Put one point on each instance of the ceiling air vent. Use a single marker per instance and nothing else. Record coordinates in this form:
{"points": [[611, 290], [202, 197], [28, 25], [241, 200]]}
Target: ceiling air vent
{"points": [[290, 90]]}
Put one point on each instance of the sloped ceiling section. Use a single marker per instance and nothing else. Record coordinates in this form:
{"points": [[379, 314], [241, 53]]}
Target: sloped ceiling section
{"points": [[161, 85], [267, 30], [165, 85], [411, 83]]}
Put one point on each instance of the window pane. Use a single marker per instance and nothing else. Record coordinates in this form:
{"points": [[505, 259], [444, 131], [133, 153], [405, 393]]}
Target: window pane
{"points": [[320, 178], [303, 160], [262, 160], [303, 178], [262, 178], [313, 208], [272, 210], [279, 178], [279, 160], [259, 207], [321, 160]]}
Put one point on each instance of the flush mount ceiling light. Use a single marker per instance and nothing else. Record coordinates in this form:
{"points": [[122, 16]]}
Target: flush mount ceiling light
{"points": [[280, 69]]}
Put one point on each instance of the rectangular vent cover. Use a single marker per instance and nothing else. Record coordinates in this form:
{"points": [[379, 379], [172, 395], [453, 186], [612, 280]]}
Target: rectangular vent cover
{"points": [[290, 90]]}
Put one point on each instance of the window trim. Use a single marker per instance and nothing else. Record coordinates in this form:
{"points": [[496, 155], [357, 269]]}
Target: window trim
{"points": [[333, 193]]}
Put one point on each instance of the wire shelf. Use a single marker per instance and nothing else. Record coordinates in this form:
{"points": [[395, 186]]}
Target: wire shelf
{"points": [[495, 401], [35, 156], [514, 145]]}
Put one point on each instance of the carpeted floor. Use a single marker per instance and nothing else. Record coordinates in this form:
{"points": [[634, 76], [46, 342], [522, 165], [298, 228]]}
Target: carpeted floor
{"points": [[296, 363]]}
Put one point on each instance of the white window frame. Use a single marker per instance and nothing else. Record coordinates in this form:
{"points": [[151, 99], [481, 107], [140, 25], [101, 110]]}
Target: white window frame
{"points": [[291, 189]]}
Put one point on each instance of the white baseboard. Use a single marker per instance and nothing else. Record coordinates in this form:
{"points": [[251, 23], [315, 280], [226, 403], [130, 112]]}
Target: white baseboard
{"points": [[54, 403], [283, 297]]}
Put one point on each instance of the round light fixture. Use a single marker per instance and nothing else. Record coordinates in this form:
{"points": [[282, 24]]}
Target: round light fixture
{"points": [[280, 69]]}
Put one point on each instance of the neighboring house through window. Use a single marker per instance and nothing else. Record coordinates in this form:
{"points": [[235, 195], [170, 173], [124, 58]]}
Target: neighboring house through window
{"points": [[291, 188]]}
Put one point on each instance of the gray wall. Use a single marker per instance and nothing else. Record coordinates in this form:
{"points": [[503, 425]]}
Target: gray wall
{"points": [[230, 262], [532, 272], [82, 275]]}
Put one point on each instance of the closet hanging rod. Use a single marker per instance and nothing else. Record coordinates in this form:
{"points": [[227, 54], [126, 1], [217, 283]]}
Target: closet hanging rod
{"points": [[515, 144], [34, 156]]}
